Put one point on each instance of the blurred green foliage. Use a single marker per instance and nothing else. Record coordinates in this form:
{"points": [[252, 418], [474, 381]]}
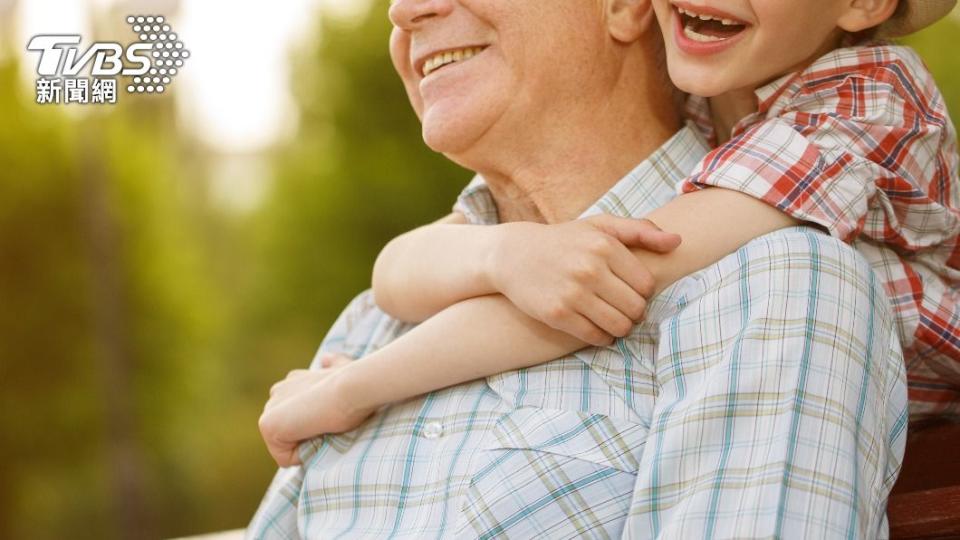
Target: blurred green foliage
{"points": [[142, 325]]}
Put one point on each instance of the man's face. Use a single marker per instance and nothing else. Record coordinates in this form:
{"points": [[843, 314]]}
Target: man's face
{"points": [[715, 46], [490, 68]]}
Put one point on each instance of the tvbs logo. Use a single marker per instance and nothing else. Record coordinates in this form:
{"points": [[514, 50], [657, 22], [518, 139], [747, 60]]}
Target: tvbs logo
{"points": [[152, 62], [107, 57]]}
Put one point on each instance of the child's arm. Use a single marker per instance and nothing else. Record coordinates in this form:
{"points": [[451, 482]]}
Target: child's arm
{"points": [[556, 273], [430, 268], [486, 335], [471, 339]]}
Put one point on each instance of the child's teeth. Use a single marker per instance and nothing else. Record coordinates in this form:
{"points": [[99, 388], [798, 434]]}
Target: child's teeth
{"points": [[687, 31], [705, 17]]}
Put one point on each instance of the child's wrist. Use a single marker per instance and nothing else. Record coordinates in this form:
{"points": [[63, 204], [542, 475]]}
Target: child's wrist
{"points": [[502, 246], [354, 388], [493, 257]]}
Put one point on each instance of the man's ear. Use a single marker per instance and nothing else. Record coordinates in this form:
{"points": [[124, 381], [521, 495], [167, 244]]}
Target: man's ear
{"points": [[629, 19], [863, 14]]}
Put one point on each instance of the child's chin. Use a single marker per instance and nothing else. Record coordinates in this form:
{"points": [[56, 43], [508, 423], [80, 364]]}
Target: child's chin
{"points": [[698, 84], [699, 87], [705, 91]]}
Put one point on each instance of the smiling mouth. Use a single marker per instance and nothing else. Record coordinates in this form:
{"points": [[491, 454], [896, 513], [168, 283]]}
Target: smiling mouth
{"points": [[444, 59], [705, 28]]}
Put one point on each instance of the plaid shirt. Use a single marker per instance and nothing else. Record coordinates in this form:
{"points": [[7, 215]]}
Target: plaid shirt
{"points": [[860, 143], [762, 396]]}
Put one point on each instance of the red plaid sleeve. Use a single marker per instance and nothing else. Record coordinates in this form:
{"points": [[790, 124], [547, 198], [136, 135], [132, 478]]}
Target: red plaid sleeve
{"points": [[861, 144]]}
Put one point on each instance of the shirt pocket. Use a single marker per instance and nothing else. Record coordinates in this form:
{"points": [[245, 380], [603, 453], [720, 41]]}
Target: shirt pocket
{"points": [[548, 473], [598, 438]]}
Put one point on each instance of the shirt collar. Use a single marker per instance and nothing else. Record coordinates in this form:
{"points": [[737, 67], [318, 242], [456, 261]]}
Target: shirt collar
{"points": [[650, 185], [779, 93], [772, 96], [769, 102]]}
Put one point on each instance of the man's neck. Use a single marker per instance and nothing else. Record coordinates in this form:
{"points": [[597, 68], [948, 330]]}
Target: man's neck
{"points": [[561, 185], [573, 158]]}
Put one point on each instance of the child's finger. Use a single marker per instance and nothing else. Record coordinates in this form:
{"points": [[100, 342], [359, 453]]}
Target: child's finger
{"points": [[606, 317], [583, 329], [648, 235], [626, 266], [331, 359], [618, 293], [285, 456], [641, 233]]}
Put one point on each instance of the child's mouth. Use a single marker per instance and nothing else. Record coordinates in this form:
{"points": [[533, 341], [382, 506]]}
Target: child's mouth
{"points": [[705, 28]]}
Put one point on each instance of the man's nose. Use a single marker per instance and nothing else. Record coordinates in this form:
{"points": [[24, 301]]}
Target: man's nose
{"points": [[411, 14]]}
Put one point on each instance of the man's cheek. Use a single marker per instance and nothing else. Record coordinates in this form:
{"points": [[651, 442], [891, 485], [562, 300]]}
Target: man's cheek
{"points": [[400, 56], [416, 101], [413, 94]]}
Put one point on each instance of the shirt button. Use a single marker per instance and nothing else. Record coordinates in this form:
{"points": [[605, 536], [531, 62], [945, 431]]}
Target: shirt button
{"points": [[432, 430]]}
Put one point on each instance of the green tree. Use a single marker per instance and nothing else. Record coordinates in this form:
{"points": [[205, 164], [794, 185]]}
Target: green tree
{"points": [[108, 323]]}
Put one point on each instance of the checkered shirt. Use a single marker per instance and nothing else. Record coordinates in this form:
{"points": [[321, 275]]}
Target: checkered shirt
{"points": [[861, 144], [762, 396]]}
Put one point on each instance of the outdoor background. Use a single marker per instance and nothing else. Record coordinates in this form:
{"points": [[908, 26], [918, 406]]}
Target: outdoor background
{"points": [[165, 260]]}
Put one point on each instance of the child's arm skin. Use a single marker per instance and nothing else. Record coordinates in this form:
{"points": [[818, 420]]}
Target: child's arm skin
{"points": [[578, 276], [488, 334], [563, 274]]}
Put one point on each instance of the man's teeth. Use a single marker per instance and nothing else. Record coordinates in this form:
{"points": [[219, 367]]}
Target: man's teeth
{"points": [[703, 17], [439, 60]]}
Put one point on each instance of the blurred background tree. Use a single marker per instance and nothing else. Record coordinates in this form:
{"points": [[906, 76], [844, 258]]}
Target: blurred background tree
{"points": [[141, 323]]}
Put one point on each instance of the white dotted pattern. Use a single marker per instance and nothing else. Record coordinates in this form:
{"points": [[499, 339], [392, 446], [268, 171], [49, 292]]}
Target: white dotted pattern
{"points": [[167, 52]]}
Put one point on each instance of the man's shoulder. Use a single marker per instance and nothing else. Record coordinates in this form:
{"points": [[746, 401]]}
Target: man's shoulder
{"points": [[361, 328], [476, 203], [789, 254]]}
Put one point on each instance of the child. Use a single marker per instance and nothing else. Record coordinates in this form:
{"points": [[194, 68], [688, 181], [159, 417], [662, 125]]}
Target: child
{"points": [[843, 138], [854, 139]]}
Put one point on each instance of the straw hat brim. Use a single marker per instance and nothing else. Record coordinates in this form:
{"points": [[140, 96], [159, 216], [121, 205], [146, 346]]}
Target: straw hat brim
{"points": [[918, 14]]}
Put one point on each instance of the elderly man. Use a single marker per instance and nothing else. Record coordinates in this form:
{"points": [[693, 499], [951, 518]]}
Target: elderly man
{"points": [[763, 395]]}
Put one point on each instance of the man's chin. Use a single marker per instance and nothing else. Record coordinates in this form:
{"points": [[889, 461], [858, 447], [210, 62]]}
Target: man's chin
{"points": [[450, 138]]}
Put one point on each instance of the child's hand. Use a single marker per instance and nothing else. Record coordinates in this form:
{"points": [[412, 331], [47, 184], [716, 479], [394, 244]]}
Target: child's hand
{"points": [[579, 277], [307, 403]]}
